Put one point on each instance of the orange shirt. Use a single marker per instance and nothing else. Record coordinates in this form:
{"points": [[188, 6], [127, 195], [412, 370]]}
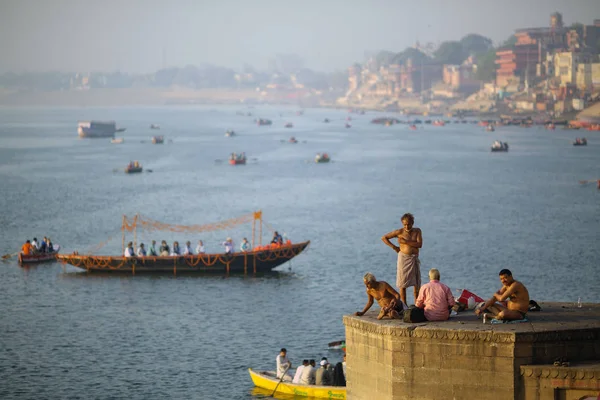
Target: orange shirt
{"points": [[27, 248]]}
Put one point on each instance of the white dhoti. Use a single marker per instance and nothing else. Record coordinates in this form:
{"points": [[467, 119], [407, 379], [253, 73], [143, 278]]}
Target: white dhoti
{"points": [[409, 271]]}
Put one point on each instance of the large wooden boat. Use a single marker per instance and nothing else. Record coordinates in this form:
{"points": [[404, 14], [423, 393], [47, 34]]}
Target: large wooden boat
{"points": [[262, 259], [39, 257], [268, 380], [97, 129]]}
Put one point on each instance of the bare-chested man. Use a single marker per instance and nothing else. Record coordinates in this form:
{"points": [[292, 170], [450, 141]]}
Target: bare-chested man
{"points": [[386, 296], [511, 302], [410, 240]]}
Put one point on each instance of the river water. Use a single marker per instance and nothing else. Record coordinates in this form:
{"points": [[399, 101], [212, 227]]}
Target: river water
{"points": [[67, 334]]}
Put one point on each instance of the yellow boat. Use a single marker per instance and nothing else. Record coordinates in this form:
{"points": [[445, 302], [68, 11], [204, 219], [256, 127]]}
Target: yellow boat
{"points": [[268, 380]]}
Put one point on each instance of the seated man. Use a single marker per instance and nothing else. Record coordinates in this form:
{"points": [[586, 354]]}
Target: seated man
{"points": [[164, 249], [511, 302], [129, 252], [387, 297], [27, 249], [298, 373], [277, 239], [435, 298], [187, 250], [141, 252]]}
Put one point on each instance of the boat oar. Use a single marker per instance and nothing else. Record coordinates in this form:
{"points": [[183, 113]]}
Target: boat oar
{"points": [[588, 181], [282, 376], [7, 256]]}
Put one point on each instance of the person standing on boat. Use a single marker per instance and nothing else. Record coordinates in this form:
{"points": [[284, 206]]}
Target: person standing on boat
{"points": [[200, 247], [245, 246], [228, 243], [129, 252], [410, 240], [153, 249], [141, 251], [187, 250], [283, 365]]}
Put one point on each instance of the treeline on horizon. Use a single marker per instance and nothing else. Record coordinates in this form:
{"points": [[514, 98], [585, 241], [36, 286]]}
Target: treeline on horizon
{"points": [[194, 77]]}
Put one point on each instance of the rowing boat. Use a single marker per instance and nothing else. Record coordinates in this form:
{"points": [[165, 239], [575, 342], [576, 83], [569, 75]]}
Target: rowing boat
{"points": [[268, 380], [38, 257]]}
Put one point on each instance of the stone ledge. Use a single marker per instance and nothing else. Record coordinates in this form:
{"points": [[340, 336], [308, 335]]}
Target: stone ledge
{"points": [[556, 321], [580, 370]]}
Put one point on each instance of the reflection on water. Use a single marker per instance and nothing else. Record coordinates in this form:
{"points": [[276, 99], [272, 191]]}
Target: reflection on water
{"points": [[66, 333]]}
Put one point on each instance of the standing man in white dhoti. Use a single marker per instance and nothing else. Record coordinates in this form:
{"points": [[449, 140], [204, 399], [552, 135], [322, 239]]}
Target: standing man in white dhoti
{"points": [[410, 240]]}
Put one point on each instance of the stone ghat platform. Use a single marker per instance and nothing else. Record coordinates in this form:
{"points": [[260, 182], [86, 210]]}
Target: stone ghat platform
{"points": [[462, 358]]}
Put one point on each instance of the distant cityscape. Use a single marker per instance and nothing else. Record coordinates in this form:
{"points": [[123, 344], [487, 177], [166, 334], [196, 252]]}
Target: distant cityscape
{"points": [[553, 69]]}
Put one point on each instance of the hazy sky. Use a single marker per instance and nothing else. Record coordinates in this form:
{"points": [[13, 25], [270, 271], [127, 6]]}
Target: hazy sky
{"points": [[130, 35]]}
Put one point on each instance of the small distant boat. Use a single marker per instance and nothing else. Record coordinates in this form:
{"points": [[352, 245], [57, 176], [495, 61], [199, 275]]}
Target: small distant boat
{"points": [[293, 140], [289, 125], [133, 168], [550, 127], [268, 380], [158, 139], [326, 120], [413, 127], [580, 142], [262, 121], [39, 257], [237, 159], [438, 122], [322, 158], [117, 140], [490, 128], [499, 146], [229, 133], [347, 125], [154, 126], [337, 345], [121, 130]]}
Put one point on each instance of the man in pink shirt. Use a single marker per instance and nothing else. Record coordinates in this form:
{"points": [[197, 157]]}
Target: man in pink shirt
{"points": [[435, 298]]}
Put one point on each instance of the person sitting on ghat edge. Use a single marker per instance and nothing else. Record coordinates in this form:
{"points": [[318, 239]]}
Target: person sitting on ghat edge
{"points": [[511, 302], [435, 298], [386, 296]]}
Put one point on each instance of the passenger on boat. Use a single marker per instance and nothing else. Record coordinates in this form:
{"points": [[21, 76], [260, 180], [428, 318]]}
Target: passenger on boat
{"points": [[339, 377], [164, 249], [50, 246], [308, 374], [153, 249], [228, 243], [176, 251], [388, 299], [283, 365], [245, 246], [298, 373], [27, 248], [344, 365], [277, 239], [141, 251], [35, 245], [44, 245], [200, 247], [435, 299], [511, 302], [187, 250], [323, 375], [129, 252]]}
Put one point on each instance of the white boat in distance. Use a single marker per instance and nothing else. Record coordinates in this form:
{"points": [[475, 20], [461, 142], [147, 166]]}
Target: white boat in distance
{"points": [[97, 129]]}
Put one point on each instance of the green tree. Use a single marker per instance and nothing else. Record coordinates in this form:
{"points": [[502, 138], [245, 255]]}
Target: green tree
{"points": [[476, 44], [415, 55], [510, 42], [486, 66], [450, 52]]}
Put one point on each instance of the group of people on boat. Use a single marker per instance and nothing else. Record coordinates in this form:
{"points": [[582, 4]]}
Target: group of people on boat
{"points": [[176, 250], [34, 247], [237, 157], [308, 373], [133, 164], [580, 141], [434, 300]]}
